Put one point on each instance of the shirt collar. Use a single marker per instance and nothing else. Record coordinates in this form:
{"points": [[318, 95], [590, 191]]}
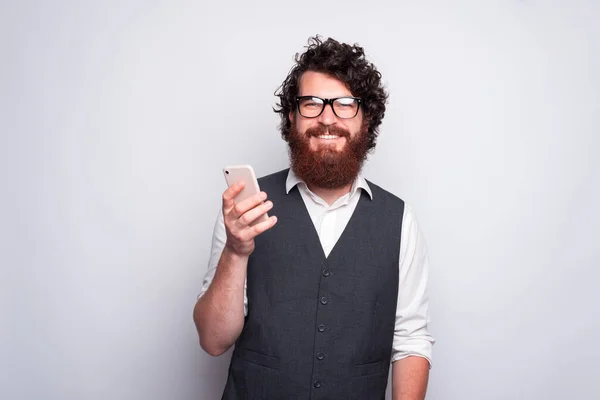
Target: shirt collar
{"points": [[359, 183]]}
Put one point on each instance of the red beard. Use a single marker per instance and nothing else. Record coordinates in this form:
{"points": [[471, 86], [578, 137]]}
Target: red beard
{"points": [[326, 167]]}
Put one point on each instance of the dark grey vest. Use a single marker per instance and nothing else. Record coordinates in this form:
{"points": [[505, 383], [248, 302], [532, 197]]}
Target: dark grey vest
{"points": [[317, 327]]}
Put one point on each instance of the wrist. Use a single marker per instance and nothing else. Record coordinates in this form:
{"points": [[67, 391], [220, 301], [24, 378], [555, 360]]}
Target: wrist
{"points": [[233, 255]]}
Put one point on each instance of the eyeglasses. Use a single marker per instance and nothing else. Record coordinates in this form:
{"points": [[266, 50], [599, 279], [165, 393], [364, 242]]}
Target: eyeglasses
{"points": [[343, 107]]}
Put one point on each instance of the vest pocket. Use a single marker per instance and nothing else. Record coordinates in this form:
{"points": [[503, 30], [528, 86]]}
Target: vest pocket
{"points": [[371, 368], [261, 359]]}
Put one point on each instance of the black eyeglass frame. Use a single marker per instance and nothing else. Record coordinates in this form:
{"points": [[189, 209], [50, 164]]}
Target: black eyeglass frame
{"points": [[330, 102]]}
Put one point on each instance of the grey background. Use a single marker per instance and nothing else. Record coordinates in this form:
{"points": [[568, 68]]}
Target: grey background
{"points": [[117, 117]]}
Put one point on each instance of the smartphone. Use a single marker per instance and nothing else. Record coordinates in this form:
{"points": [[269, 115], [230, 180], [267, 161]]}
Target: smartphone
{"points": [[236, 173]]}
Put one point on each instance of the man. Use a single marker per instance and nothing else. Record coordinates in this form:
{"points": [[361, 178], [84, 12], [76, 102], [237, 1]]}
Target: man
{"points": [[321, 297]]}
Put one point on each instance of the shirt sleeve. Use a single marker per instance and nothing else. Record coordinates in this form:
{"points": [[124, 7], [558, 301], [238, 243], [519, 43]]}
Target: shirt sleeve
{"points": [[216, 249], [411, 336]]}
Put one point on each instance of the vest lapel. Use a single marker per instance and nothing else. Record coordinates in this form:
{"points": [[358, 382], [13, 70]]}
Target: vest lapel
{"points": [[301, 218]]}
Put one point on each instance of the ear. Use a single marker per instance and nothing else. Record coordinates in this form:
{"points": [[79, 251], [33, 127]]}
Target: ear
{"points": [[292, 117]]}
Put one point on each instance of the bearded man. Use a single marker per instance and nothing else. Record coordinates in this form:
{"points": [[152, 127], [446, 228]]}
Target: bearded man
{"points": [[323, 296]]}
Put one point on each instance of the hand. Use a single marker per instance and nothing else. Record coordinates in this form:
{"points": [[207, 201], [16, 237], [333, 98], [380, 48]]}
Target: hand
{"points": [[238, 217]]}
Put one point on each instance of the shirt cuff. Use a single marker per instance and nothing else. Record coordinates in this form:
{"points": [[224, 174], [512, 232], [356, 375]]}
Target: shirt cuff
{"points": [[399, 357]]}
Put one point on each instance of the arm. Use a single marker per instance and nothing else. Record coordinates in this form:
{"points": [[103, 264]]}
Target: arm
{"points": [[219, 312], [411, 354], [409, 378]]}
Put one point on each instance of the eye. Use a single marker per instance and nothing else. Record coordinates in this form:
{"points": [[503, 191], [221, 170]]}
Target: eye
{"points": [[312, 102], [346, 102]]}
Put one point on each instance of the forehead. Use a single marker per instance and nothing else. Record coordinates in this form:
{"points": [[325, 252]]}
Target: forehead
{"points": [[321, 85]]}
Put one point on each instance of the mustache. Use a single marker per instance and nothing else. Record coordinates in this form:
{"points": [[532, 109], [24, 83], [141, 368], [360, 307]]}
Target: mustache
{"points": [[327, 130]]}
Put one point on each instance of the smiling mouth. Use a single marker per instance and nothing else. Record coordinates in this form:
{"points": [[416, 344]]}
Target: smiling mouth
{"points": [[328, 137]]}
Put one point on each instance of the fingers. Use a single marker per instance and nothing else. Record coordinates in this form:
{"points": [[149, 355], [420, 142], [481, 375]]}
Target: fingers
{"points": [[230, 194], [262, 226], [239, 217], [250, 216], [242, 242], [238, 209], [243, 214]]}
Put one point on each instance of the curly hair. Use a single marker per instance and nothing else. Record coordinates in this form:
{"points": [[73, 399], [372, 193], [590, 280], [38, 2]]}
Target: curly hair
{"points": [[348, 64]]}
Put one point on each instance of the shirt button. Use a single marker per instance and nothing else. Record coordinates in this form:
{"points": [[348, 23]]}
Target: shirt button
{"points": [[317, 384], [320, 356], [321, 328], [324, 300], [326, 273]]}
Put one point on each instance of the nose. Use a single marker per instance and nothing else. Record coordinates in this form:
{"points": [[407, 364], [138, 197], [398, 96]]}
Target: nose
{"points": [[327, 117]]}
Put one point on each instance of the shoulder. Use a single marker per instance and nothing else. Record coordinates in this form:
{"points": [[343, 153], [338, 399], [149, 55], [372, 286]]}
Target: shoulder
{"points": [[388, 197], [275, 176], [274, 183]]}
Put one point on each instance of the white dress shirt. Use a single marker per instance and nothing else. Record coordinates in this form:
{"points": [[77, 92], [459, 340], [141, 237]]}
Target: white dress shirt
{"points": [[411, 337]]}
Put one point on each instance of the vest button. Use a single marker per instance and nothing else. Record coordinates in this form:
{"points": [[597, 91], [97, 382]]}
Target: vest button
{"points": [[317, 384], [324, 300], [326, 272], [320, 356], [321, 328]]}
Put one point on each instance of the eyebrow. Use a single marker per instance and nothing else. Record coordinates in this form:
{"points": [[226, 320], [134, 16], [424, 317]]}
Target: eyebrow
{"points": [[325, 97]]}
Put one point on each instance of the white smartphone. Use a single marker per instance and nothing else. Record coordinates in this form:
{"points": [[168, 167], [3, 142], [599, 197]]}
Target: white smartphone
{"points": [[236, 173]]}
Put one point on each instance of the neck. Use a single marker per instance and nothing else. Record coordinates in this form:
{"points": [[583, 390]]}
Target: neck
{"points": [[330, 195]]}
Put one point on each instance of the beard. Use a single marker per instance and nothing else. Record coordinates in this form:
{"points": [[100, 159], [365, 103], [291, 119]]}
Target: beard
{"points": [[327, 167]]}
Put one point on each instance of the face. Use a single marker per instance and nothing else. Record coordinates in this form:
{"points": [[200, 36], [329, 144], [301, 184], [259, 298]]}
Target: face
{"points": [[326, 151], [327, 87]]}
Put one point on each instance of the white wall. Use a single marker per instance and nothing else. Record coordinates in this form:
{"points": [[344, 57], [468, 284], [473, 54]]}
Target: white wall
{"points": [[116, 118]]}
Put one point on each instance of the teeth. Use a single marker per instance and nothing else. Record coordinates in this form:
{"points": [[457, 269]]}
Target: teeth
{"points": [[328, 137]]}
